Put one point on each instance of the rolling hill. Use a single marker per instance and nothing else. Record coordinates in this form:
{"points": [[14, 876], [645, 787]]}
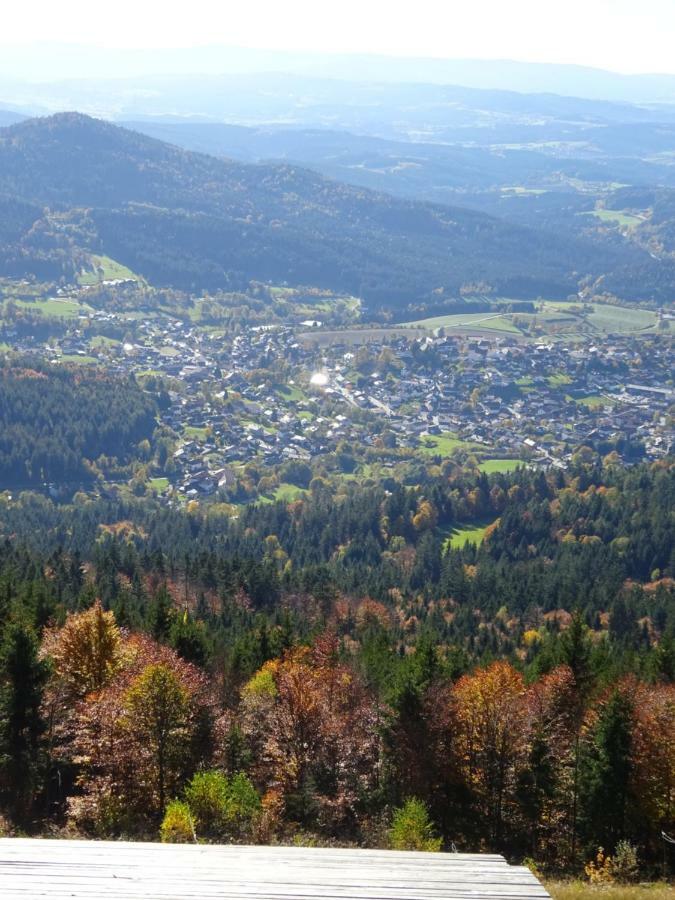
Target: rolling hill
{"points": [[70, 184]]}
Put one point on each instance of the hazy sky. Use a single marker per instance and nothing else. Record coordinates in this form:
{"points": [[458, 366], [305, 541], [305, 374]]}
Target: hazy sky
{"points": [[623, 35]]}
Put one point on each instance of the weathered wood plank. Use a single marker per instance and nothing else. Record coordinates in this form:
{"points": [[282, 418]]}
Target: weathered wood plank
{"points": [[138, 871]]}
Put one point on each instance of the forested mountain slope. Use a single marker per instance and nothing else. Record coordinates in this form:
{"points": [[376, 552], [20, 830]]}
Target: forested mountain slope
{"points": [[192, 221]]}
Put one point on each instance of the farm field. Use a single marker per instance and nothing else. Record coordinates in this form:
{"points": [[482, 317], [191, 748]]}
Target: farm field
{"points": [[54, 307], [607, 319], [356, 336], [488, 321], [78, 359], [624, 219], [618, 318]]}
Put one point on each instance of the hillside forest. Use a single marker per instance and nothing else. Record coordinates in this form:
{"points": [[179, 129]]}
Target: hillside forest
{"points": [[330, 671]]}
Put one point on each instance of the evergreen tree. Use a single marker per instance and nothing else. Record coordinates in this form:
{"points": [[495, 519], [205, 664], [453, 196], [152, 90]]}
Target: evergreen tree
{"points": [[605, 770], [22, 679]]}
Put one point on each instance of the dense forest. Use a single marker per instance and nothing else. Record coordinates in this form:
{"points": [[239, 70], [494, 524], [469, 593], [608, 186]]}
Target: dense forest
{"points": [[65, 425], [328, 670], [195, 222]]}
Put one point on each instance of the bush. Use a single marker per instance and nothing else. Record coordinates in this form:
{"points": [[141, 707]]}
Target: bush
{"points": [[243, 805], [599, 870], [625, 862], [177, 826], [622, 867], [206, 796], [222, 806], [411, 828]]}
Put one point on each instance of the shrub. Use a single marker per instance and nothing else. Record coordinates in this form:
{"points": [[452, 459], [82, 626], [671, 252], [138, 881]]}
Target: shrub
{"points": [[625, 862], [206, 796], [622, 867], [177, 826], [243, 805], [412, 829], [222, 806]]}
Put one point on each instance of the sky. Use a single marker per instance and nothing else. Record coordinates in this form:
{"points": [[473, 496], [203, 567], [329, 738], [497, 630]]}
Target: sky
{"points": [[621, 35]]}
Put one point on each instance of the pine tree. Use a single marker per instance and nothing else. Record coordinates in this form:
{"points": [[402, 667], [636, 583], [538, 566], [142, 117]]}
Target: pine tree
{"points": [[605, 770], [22, 679]]}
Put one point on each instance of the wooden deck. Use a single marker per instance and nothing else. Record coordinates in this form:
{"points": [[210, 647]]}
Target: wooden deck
{"points": [[140, 871]]}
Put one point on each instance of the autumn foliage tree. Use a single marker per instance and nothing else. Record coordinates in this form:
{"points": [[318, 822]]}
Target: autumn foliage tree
{"points": [[489, 743], [129, 717], [317, 733]]}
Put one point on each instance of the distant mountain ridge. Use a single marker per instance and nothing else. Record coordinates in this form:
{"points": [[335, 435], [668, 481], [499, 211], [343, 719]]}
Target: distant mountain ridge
{"points": [[195, 222], [38, 63]]}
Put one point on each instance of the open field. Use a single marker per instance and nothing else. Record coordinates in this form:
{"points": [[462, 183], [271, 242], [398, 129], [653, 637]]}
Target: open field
{"points": [[593, 402], [194, 433], [54, 307], [104, 269], [356, 336], [289, 492], [521, 191], [443, 444], [291, 392], [620, 318], [580, 890], [489, 321], [100, 340], [78, 359], [285, 493], [466, 534], [605, 318], [159, 485], [616, 216], [490, 466], [556, 381]]}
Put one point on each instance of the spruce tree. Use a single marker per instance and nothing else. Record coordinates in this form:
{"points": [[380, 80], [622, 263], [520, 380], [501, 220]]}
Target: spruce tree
{"points": [[22, 678]]}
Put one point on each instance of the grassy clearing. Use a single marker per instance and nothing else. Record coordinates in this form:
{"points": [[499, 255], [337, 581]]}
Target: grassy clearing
{"points": [[593, 402], [285, 493], [55, 307], [443, 444], [291, 393], [466, 534], [490, 466], [521, 191], [100, 340], [603, 317], [474, 321], [159, 485], [580, 890], [356, 336], [78, 359], [195, 433], [556, 381], [103, 268], [289, 492], [616, 216], [612, 319]]}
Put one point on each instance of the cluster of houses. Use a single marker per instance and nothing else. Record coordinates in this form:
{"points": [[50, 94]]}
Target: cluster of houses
{"points": [[270, 395]]}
